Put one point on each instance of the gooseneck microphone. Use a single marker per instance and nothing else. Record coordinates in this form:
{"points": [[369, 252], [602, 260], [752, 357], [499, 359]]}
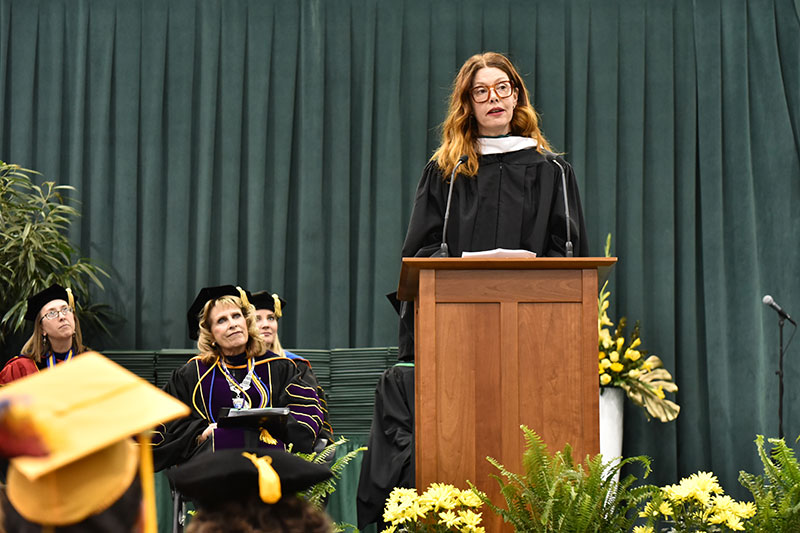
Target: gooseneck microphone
{"points": [[768, 300], [443, 251], [550, 156]]}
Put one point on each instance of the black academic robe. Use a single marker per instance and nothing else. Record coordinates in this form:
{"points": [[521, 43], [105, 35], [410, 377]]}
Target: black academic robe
{"points": [[206, 391], [389, 459], [516, 201]]}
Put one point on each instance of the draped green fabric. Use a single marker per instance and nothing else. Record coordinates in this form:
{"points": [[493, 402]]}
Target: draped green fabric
{"points": [[278, 144]]}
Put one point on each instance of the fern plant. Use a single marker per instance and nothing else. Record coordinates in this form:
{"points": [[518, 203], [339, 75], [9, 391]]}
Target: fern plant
{"points": [[556, 494], [318, 494], [776, 493]]}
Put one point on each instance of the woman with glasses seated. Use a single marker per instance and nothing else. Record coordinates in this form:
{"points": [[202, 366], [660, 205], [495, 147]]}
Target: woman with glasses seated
{"points": [[56, 334]]}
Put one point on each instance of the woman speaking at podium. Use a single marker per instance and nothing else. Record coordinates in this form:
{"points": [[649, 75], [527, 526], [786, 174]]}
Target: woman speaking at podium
{"points": [[506, 189], [508, 193]]}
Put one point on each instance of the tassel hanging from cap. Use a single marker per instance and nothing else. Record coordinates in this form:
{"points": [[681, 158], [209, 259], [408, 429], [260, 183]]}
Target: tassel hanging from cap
{"points": [[243, 296], [269, 484], [70, 298], [266, 437], [277, 305]]}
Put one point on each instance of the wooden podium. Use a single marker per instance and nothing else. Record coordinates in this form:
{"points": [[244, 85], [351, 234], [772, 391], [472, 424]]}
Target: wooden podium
{"points": [[499, 343]]}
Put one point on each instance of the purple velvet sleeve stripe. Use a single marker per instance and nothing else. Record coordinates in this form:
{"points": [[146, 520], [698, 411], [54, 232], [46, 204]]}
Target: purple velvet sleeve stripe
{"points": [[306, 410], [298, 391], [311, 422]]}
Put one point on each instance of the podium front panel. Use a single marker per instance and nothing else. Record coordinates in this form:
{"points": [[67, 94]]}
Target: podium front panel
{"points": [[496, 349]]}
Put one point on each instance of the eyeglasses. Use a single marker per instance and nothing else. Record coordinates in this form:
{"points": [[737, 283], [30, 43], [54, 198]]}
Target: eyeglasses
{"points": [[502, 89], [50, 315]]}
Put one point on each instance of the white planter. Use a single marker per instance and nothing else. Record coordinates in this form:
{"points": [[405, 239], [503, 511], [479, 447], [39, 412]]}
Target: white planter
{"points": [[611, 406]]}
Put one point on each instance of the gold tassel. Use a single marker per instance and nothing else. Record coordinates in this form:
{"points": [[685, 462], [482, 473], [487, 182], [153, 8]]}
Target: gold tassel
{"points": [[265, 437], [148, 484], [70, 298], [277, 305], [243, 296], [269, 484]]}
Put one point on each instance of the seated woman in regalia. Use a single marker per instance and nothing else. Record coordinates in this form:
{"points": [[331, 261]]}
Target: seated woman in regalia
{"points": [[234, 370]]}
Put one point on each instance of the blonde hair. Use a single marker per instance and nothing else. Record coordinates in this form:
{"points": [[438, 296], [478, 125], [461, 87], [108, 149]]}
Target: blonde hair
{"points": [[209, 352], [460, 129], [37, 345], [277, 347]]}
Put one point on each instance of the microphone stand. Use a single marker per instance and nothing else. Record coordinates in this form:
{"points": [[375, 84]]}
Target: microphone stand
{"points": [[780, 379]]}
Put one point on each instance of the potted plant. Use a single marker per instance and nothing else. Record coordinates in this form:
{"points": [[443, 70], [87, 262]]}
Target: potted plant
{"points": [[558, 494], [777, 491], [626, 369], [36, 252]]}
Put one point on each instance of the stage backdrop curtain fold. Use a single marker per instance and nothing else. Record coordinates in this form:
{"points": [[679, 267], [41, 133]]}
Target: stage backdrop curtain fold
{"points": [[277, 145]]}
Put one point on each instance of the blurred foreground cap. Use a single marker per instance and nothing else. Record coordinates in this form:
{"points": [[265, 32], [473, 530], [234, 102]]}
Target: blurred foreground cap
{"points": [[211, 479], [85, 413], [269, 300], [40, 299], [211, 293]]}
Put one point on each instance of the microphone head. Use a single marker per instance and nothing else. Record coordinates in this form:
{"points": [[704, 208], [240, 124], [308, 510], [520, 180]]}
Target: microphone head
{"points": [[767, 300], [463, 159]]}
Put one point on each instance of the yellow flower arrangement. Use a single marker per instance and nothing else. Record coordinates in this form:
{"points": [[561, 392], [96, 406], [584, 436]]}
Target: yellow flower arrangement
{"points": [[440, 508], [622, 363], [697, 503]]}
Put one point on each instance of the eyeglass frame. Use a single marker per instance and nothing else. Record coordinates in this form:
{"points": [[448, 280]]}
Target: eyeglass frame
{"points": [[491, 88], [64, 311]]}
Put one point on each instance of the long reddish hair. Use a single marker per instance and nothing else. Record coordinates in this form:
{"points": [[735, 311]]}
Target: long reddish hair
{"points": [[460, 129]]}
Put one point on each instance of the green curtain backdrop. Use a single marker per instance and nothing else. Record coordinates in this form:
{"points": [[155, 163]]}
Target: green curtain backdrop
{"points": [[278, 145]]}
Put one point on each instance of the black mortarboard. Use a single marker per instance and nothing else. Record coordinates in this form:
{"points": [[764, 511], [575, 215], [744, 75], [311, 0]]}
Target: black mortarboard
{"points": [[211, 479], [206, 294], [269, 300], [40, 299]]}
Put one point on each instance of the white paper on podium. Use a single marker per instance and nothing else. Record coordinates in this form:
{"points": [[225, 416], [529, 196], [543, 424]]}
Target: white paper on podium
{"points": [[500, 252]]}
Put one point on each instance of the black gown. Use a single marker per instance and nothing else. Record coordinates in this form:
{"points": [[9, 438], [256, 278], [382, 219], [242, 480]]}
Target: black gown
{"points": [[206, 391], [516, 202], [389, 459]]}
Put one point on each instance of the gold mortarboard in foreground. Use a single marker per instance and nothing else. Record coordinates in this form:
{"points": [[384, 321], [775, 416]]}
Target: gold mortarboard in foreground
{"points": [[85, 413]]}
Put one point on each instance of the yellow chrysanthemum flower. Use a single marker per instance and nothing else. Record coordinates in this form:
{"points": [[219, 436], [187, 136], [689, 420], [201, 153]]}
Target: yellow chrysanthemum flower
{"points": [[643, 529], [469, 499], [449, 519], [601, 355], [605, 363], [617, 367], [470, 519], [605, 379], [614, 356], [665, 509], [745, 509], [620, 342], [440, 496], [390, 529], [633, 373]]}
